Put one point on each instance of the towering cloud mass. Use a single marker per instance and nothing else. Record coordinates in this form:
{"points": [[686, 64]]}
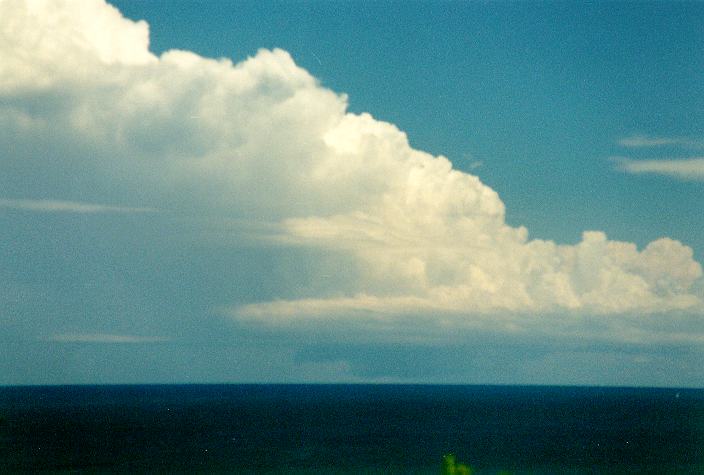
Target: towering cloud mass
{"points": [[88, 114]]}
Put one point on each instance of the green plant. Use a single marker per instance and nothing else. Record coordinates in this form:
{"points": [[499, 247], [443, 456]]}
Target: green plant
{"points": [[451, 467]]}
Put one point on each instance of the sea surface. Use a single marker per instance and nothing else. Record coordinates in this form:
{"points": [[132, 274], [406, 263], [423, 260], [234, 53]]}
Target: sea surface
{"points": [[401, 429]]}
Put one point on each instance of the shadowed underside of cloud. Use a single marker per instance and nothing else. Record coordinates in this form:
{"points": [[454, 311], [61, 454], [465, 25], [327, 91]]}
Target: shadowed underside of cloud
{"points": [[262, 139]]}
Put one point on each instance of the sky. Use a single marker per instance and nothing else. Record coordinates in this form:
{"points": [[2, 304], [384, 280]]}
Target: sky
{"points": [[351, 192]]}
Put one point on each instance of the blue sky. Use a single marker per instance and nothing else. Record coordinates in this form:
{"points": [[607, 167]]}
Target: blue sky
{"points": [[352, 192]]}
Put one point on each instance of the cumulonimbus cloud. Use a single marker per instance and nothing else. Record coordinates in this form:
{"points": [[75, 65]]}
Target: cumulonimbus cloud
{"points": [[262, 139]]}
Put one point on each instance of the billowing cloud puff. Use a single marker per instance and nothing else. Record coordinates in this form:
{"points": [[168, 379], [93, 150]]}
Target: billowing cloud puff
{"points": [[91, 116]]}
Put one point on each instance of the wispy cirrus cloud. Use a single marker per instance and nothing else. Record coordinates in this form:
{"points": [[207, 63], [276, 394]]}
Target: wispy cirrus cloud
{"points": [[103, 338], [682, 169], [58, 206], [648, 141]]}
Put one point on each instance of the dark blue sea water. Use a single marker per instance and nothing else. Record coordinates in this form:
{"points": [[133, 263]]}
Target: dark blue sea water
{"points": [[350, 429]]}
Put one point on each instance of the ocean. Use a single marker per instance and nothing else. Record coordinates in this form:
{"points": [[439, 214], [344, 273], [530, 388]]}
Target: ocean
{"points": [[341, 429]]}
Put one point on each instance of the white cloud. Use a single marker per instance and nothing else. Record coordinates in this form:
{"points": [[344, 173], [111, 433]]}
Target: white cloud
{"points": [[68, 39], [506, 273], [682, 169], [645, 141], [54, 206], [102, 338], [262, 139]]}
